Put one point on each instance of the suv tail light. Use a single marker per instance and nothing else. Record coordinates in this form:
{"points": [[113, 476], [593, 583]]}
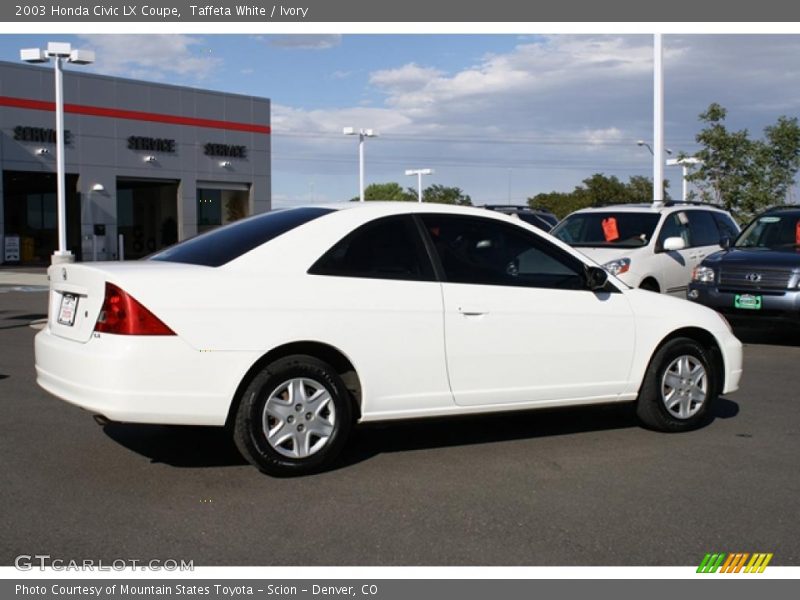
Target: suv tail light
{"points": [[124, 315]]}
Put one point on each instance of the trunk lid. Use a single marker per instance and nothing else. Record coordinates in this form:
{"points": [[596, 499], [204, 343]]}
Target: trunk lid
{"points": [[76, 296], [77, 290]]}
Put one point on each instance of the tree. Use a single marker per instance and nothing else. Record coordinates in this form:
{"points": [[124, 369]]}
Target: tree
{"points": [[387, 191], [441, 194], [742, 174], [596, 190]]}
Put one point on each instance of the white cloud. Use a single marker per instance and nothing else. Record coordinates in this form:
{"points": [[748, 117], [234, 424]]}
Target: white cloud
{"points": [[408, 78], [597, 137], [302, 41], [156, 57], [286, 119]]}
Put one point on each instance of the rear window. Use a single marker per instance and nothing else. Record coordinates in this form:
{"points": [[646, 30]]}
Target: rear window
{"points": [[222, 245]]}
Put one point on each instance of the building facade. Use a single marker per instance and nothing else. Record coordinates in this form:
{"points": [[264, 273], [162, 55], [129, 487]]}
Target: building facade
{"points": [[147, 164]]}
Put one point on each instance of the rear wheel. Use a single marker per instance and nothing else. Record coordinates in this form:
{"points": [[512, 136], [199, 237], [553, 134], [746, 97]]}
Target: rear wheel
{"points": [[294, 417], [679, 387]]}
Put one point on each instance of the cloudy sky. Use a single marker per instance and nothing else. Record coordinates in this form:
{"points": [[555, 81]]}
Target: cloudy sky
{"points": [[501, 116]]}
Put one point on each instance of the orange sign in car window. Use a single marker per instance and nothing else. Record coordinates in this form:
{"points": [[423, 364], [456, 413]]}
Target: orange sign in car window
{"points": [[797, 233], [610, 231]]}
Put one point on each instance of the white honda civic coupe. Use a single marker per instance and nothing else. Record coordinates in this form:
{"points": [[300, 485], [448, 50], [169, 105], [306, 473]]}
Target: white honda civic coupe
{"points": [[290, 327]]}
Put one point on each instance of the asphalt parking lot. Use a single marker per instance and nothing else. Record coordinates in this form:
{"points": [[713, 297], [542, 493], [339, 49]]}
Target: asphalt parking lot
{"points": [[578, 487]]}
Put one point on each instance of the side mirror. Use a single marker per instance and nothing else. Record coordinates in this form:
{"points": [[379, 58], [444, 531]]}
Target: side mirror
{"points": [[674, 243], [596, 278], [725, 243]]}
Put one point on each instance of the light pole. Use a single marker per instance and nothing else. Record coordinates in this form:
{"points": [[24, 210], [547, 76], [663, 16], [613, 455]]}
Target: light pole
{"points": [[646, 145], [60, 52], [684, 162], [419, 173], [362, 134], [658, 121]]}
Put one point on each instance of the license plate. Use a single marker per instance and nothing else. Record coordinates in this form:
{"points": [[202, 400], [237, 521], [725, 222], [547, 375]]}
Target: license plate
{"points": [[747, 301], [66, 314]]}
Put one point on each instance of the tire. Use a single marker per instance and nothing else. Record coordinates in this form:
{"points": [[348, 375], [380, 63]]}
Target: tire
{"points": [[669, 402], [294, 417]]}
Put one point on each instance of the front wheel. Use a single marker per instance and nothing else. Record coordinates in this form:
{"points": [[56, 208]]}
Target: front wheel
{"points": [[294, 417], [679, 387]]}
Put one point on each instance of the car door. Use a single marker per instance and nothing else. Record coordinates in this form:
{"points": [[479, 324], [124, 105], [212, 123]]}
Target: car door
{"points": [[520, 324], [675, 266], [383, 308]]}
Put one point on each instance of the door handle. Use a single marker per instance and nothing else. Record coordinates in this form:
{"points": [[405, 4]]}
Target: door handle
{"points": [[472, 311]]}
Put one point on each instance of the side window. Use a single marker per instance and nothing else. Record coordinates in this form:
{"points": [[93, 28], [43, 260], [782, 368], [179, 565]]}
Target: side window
{"points": [[702, 228], [675, 225], [489, 252], [388, 248], [726, 225]]}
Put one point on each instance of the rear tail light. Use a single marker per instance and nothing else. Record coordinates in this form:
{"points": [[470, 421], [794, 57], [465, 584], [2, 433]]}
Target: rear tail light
{"points": [[124, 315]]}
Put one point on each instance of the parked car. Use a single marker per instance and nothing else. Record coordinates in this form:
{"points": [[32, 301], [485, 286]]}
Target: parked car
{"points": [[538, 217], [289, 327], [757, 278], [653, 247]]}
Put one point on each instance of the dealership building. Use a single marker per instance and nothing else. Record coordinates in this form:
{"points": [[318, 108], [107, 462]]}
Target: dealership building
{"points": [[147, 164]]}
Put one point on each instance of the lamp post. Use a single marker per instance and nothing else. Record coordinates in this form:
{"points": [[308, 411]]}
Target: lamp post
{"points": [[649, 149], [419, 173], [60, 52], [362, 134], [684, 162]]}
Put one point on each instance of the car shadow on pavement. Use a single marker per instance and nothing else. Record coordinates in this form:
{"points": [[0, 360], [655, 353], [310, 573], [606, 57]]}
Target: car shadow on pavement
{"points": [[176, 445], [198, 447], [501, 427]]}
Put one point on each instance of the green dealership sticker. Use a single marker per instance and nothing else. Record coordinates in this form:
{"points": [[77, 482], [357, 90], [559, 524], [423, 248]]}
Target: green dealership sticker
{"points": [[747, 301]]}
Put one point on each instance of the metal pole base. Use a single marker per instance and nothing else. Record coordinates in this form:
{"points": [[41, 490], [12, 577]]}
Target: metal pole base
{"points": [[62, 258]]}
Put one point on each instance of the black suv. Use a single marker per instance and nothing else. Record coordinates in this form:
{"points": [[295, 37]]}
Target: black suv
{"points": [[538, 217], [758, 276]]}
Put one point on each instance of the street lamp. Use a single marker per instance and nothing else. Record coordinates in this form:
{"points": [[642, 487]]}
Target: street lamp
{"points": [[419, 173], [684, 162], [60, 52], [646, 145], [362, 134]]}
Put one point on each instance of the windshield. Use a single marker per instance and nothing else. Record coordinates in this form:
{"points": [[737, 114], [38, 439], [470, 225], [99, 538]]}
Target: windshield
{"points": [[773, 232], [612, 229]]}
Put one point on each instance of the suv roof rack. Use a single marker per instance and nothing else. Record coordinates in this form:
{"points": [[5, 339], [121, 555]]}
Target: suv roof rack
{"points": [[515, 207], [692, 203]]}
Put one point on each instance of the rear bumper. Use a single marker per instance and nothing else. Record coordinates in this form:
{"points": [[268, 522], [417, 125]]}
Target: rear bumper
{"points": [[142, 379], [775, 306]]}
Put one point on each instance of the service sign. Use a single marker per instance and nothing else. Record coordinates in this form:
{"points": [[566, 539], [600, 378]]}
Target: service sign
{"points": [[11, 249]]}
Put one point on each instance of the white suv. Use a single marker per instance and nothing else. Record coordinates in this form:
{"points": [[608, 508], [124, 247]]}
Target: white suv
{"points": [[654, 247]]}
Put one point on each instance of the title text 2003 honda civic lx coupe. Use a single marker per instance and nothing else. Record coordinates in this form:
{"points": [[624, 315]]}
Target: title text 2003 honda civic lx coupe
{"points": [[290, 326]]}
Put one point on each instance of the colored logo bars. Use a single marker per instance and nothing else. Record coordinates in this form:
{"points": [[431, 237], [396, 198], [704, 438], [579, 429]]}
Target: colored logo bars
{"points": [[734, 562]]}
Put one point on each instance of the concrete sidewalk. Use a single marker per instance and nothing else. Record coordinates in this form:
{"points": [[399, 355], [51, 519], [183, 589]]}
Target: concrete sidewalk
{"points": [[17, 276]]}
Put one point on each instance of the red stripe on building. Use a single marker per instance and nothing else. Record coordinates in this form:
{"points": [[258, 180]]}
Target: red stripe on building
{"points": [[133, 115]]}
